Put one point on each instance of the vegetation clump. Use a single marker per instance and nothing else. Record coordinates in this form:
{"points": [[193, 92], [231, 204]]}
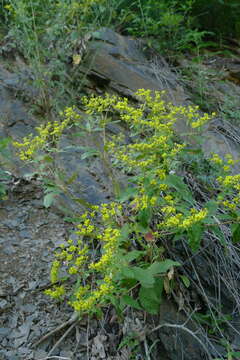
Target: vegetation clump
{"points": [[118, 257], [119, 253]]}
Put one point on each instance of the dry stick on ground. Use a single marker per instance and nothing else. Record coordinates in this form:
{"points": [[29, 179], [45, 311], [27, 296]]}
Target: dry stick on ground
{"points": [[56, 357], [182, 327], [61, 339], [146, 350], [72, 321]]}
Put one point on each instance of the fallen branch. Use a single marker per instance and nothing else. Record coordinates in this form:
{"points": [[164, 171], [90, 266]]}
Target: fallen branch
{"points": [[182, 327], [69, 322], [61, 339]]}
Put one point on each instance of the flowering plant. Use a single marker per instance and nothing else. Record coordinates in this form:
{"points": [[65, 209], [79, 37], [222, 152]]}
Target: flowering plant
{"points": [[118, 255]]}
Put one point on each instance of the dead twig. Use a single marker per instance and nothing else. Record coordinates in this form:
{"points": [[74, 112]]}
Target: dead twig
{"points": [[61, 339], [182, 327], [56, 357], [72, 321], [146, 350]]}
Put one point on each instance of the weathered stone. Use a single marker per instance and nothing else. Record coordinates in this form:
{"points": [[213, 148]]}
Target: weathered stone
{"points": [[119, 62], [177, 342]]}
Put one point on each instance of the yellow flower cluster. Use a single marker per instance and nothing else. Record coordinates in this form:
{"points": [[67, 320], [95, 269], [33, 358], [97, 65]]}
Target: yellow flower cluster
{"points": [[167, 210], [230, 160], [109, 238], [194, 119], [196, 217], [54, 271], [86, 228], [9, 8], [134, 163], [157, 143], [154, 119], [86, 300], [75, 257], [171, 222], [230, 205], [48, 133], [57, 293], [143, 202], [216, 159], [225, 164], [99, 104], [109, 211], [179, 221], [230, 181]]}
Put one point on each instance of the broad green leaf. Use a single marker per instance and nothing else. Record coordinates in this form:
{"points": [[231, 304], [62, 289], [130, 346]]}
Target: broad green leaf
{"points": [[218, 232], [127, 194], [132, 255], [195, 236], [144, 217], [72, 178], [89, 153], [145, 278], [128, 300], [96, 34], [48, 199], [236, 353], [150, 298], [158, 287], [178, 184], [125, 231], [127, 273], [162, 267], [212, 207], [4, 142], [235, 233], [185, 280], [44, 158], [2, 191], [140, 229]]}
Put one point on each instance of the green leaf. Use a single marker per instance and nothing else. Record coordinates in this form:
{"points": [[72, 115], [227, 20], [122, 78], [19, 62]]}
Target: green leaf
{"points": [[89, 153], [178, 184], [4, 143], [145, 278], [125, 231], [235, 353], [127, 194], [195, 236], [218, 232], [127, 273], [96, 34], [212, 207], [72, 178], [2, 191], [185, 280], [162, 267], [133, 255], [48, 199], [144, 217], [45, 158], [235, 233], [128, 300], [150, 298]]}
